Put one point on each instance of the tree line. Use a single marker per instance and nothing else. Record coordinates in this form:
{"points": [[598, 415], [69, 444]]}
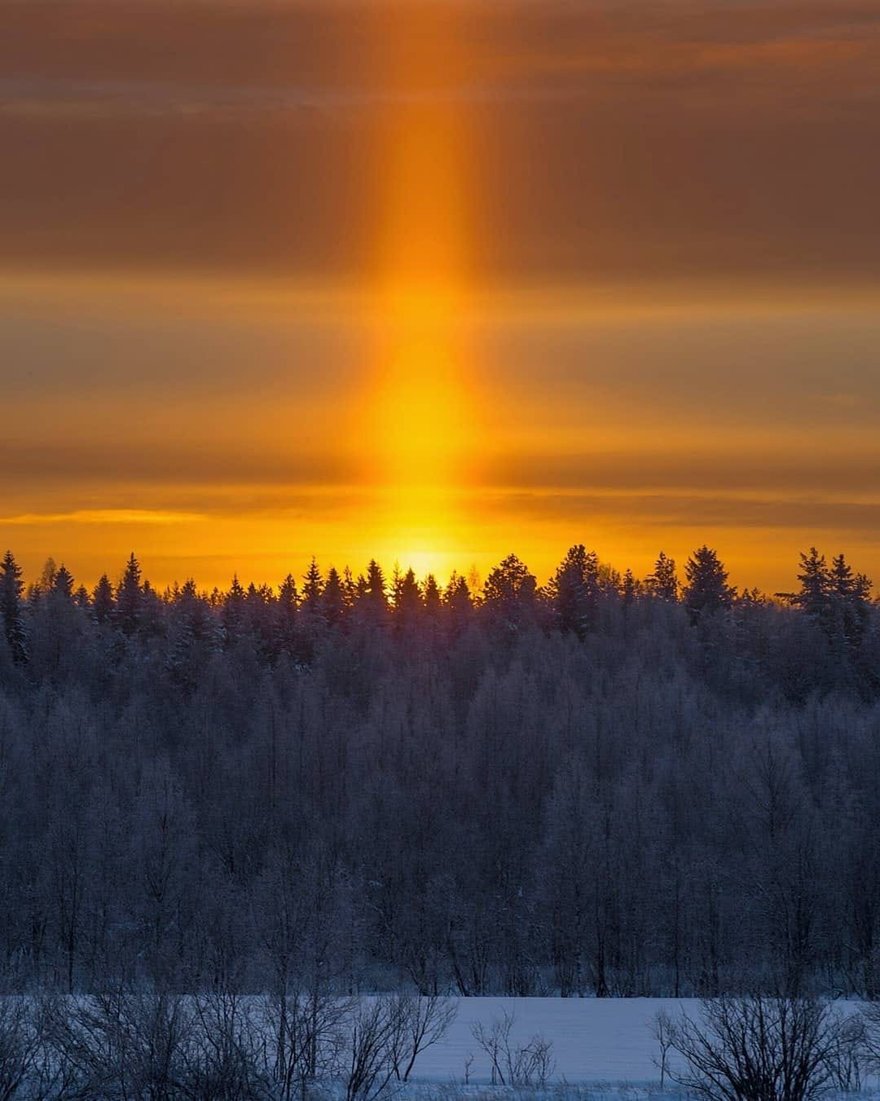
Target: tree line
{"points": [[604, 785]]}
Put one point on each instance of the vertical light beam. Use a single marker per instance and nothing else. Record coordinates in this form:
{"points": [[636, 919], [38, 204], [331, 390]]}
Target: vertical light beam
{"points": [[420, 410]]}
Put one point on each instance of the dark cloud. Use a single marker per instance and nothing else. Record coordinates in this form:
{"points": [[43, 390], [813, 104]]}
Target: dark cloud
{"points": [[78, 468], [597, 139], [681, 511]]}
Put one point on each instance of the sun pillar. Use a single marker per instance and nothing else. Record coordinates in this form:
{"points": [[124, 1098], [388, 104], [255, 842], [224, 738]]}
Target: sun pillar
{"points": [[421, 408]]}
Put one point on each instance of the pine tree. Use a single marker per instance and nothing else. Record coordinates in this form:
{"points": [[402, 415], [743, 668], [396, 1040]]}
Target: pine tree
{"points": [[11, 589], [457, 598], [62, 585], [408, 603], [102, 600], [349, 589], [313, 587], [510, 593], [630, 588], [286, 617], [849, 596], [663, 582], [707, 588], [432, 596], [47, 579], [574, 591], [233, 610], [333, 601], [129, 597], [373, 599], [815, 591]]}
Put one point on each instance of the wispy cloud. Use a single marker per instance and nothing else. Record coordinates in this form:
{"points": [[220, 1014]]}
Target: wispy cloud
{"points": [[102, 516]]}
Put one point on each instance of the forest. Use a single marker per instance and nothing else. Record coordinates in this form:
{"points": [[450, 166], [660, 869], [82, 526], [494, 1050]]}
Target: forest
{"points": [[603, 786]]}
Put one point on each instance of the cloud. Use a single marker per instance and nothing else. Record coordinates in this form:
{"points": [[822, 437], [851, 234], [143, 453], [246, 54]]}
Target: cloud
{"points": [[596, 140], [124, 516]]}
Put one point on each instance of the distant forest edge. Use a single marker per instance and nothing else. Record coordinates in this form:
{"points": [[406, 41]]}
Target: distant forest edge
{"points": [[601, 786]]}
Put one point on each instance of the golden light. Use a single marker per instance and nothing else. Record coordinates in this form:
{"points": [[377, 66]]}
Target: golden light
{"points": [[421, 413]]}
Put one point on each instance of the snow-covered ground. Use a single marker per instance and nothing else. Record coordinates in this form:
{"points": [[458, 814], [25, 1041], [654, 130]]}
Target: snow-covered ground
{"points": [[594, 1040], [604, 1049]]}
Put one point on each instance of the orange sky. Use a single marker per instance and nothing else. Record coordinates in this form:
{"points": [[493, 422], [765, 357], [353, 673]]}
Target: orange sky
{"points": [[436, 281]]}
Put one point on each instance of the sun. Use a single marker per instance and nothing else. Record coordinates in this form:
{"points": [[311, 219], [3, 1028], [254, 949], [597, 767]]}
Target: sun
{"points": [[421, 409]]}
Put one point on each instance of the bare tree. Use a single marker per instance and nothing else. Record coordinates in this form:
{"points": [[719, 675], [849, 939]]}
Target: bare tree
{"points": [[530, 1064], [664, 1035], [371, 1033], [126, 1045], [848, 1053], [756, 1048], [304, 1039], [19, 1047], [422, 1022], [223, 1063]]}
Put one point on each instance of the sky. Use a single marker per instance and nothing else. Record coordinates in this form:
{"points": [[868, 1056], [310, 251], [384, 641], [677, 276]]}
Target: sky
{"points": [[438, 280]]}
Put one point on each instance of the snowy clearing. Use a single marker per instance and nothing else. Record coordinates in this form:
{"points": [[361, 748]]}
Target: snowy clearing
{"points": [[605, 1045], [594, 1040]]}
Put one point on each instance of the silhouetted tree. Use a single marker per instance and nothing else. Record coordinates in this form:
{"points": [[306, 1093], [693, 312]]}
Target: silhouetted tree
{"points": [[129, 597], [103, 600], [707, 588], [510, 594], [663, 582], [11, 589], [574, 591]]}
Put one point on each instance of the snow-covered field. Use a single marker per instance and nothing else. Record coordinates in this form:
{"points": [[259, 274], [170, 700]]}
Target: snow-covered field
{"points": [[603, 1048], [594, 1040]]}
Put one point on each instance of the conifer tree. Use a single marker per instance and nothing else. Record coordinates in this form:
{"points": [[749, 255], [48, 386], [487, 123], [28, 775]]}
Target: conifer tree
{"points": [[233, 609], [102, 599], [815, 590], [707, 588], [457, 598], [333, 600], [349, 589], [373, 599], [849, 596], [313, 587], [62, 584], [407, 600], [510, 593], [11, 589], [630, 587], [574, 591], [286, 617], [663, 582], [129, 597], [432, 596]]}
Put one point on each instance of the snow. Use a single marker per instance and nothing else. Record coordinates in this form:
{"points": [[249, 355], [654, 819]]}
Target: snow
{"points": [[594, 1039]]}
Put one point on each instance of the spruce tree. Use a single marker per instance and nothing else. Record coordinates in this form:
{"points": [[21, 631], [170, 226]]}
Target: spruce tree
{"points": [[233, 610], [663, 582], [432, 596], [102, 600], [333, 600], [707, 588], [574, 591], [849, 596], [129, 597], [510, 593], [313, 587], [814, 596], [63, 583], [408, 603], [11, 589], [286, 617], [373, 600]]}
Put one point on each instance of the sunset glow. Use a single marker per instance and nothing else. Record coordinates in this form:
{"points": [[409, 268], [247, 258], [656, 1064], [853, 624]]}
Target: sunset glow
{"points": [[421, 417], [430, 282]]}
